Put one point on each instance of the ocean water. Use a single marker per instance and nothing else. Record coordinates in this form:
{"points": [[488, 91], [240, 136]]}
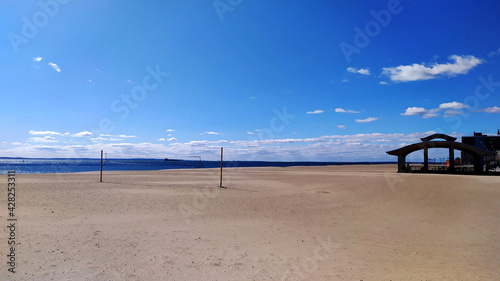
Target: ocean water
{"points": [[43, 166]]}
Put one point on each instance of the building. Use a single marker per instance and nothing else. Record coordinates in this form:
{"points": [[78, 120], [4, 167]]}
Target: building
{"points": [[491, 143], [478, 154]]}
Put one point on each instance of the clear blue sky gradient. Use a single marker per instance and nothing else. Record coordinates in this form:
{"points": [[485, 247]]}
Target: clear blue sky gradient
{"points": [[232, 65]]}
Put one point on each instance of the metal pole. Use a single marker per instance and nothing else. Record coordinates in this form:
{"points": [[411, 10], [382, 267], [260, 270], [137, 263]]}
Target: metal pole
{"points": [[101, 167], [221, 152]]}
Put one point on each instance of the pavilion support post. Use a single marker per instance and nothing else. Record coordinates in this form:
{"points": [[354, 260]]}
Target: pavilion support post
{"points": [[478, 163], [401, 163], [426, 159], [452, 159]]}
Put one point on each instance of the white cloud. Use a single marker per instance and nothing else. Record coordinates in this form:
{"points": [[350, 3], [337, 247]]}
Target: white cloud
{"points": [[452, 112], [357, 147], [82, 134], [341, 126], [130, 81], [252, 98], [383, 83], [90, 81], [364, 71], [494, 109], [494, 53], [118, 136], [345, 80], [341, 110], [170, 130], [416, 72], [250, 133], [431, 113], [426, 114], [161, 139], [450, 109], [55, 66], [37, 59], [102, 139], [211, 133], [44, 139], [172, 139], [317, 111], [43, 133], [369, 119], [453, 105], [414, 111]]}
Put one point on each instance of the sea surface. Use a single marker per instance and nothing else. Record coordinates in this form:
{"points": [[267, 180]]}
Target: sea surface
{"points": [[44, 166]]}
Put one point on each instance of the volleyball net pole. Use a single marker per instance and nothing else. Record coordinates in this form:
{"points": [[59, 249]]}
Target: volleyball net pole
{"points": [[221, 153], [101, 168]]}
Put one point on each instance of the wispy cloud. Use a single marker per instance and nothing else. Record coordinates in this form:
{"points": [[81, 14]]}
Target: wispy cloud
{"points": [[364, 71], [367, 120], [161, 139], [494, 109], [250, 133], [172, 139], [170, 130], [494, 53], [431, 113], [383, 83], [82, 134], [43, 133], [117, 136], [317, 111], [341, 126], [416, 72], [55, 66], [37, 59], [341, 110], [44, 139], [452, 112], [211, 133]]}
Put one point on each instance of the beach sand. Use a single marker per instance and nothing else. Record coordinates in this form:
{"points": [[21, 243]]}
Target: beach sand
{"points": [[295, 223]]}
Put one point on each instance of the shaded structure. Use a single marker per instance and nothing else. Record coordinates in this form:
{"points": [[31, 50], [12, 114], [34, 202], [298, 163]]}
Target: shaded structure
{"points": [[487, 142], [478, 154]]}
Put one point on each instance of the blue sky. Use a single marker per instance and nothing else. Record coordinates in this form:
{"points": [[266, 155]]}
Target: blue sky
{"points": [[268, 80]]}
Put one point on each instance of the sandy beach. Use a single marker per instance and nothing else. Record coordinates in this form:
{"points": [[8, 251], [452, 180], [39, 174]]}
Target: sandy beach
{"points": [[295, 223]]}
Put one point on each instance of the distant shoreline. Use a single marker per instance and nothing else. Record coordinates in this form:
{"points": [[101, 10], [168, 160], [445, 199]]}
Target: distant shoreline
{"points": [[75, 165]]}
